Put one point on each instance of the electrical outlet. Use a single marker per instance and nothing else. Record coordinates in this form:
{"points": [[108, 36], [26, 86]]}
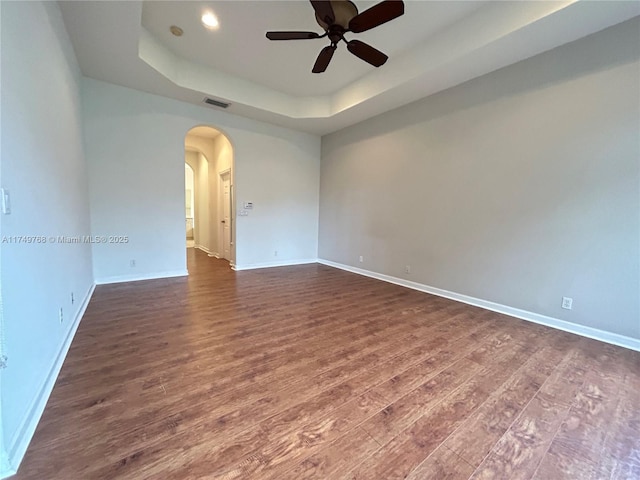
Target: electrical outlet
{"points": [[73, 300], [132, 263], [361, 259], [567, 303], [61, 315], [407, 269], [275, 253]]}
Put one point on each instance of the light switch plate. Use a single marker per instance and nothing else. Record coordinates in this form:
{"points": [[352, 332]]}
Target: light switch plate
{"points": [[6, 202]]}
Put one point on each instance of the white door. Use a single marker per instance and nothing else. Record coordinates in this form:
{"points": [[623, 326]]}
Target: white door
{"points": [[226, 214]]}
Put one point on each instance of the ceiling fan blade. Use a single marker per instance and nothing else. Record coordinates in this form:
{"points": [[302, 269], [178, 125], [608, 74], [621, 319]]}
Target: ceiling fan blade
{"points": [[376, 15], [367, 53], [291, 35], [322, 62], [324, 10]]}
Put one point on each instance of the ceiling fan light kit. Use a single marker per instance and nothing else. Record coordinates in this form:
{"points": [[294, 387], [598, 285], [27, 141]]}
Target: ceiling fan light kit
{"points": [[343, 12], [337, 17]]}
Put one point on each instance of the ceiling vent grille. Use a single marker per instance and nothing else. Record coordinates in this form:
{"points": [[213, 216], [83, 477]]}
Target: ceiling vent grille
{"points": [[216, 103]]}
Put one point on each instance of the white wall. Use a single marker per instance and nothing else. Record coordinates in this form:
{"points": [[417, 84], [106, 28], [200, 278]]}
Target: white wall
{"points": [[519, 187], [43, 167], [223, 153], [5, 468], [135, 151]]}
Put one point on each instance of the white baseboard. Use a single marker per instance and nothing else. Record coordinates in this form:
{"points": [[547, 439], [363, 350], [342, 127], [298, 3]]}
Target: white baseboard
{"points": [[137, 278], [590, 332], [5, 467], [214, 254], [17, 446], [204, 249], [284, 263]]}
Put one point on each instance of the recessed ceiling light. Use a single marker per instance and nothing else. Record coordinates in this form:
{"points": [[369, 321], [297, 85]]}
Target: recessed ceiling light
{"points": [[177, 31], [209, 20]]}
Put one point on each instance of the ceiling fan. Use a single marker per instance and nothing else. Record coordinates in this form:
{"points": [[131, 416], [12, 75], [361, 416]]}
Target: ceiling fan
{"points": [[337, 17]]}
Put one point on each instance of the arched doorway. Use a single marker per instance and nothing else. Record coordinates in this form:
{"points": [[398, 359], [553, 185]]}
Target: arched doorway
{"points": [[209, 153]]}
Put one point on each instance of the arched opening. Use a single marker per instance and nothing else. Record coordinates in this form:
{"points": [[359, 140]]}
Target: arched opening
{"points": [[208, 152]]}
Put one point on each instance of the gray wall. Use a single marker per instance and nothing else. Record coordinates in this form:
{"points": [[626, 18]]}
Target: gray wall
{"points": [[135, 155], [43, 166], [518, 187]]}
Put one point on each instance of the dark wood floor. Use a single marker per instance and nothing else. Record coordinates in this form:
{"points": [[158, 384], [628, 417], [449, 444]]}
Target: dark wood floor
{"points": [[312, 372]]}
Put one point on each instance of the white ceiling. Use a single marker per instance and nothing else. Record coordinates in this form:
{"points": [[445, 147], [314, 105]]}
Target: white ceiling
{"points": [[239, 46], [434, 46]]}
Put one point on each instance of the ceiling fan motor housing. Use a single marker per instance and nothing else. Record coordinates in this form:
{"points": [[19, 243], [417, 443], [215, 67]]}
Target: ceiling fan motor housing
{"points": [[343, 11]]}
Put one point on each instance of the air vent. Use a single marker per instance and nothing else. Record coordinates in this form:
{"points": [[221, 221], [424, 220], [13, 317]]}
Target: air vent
{"points": [[216, 103]]}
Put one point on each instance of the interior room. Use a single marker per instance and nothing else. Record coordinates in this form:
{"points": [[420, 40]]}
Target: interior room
{"points": [[328, 240]]}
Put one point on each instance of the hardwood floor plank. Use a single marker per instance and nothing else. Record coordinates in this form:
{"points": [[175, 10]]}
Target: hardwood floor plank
{"points": [[294, 372], [337, 459], [443, 464], [411, 447], [620, 457], [581, 437], [250, 383], [222, 455], [402, 413], [572, 452], [405, 381], [475, 438], [356, 384], [281, 454], [521, 449]]}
